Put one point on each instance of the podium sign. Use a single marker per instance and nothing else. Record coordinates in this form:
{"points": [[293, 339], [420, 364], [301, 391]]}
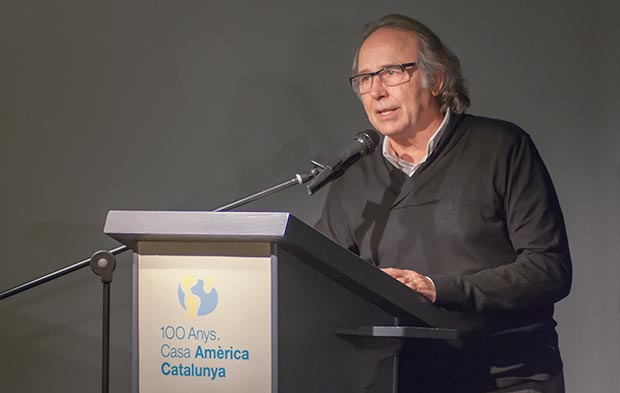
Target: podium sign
{"points": [[204, 318]]}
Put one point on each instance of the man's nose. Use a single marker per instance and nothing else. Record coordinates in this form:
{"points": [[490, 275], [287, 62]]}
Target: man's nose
{"points": [[377, 89]]}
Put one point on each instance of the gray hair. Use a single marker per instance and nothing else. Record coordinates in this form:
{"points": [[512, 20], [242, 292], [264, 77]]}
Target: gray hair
{"points": [[433, 58]]}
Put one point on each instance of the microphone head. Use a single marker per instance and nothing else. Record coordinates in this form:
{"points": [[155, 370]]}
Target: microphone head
{"points": [[365, 143], [370, 139]]}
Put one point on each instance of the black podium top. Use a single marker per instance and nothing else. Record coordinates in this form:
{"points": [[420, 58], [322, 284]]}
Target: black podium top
{"points": [[285, 230]]}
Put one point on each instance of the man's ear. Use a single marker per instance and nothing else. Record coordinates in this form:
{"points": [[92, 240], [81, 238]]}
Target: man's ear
{"points": [[438, 83]]}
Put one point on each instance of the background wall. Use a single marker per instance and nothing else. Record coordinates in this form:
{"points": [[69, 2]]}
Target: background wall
{"points": [[189, 104]]}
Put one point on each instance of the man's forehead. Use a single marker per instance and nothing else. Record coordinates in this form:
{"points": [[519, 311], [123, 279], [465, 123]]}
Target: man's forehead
{"points": [[386, 47]]}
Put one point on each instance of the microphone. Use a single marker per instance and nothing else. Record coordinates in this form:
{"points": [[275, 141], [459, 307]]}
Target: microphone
{"points": [[364, 143]]}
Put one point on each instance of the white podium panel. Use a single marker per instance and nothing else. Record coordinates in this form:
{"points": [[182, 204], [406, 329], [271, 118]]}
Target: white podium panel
{"points": [[204, 317]]}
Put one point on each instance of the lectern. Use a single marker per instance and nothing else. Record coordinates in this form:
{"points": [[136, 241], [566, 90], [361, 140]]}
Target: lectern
{"points": [[263, 303]]}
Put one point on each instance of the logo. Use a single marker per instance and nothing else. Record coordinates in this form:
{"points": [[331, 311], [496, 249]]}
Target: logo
{"points": [[197, 296]]}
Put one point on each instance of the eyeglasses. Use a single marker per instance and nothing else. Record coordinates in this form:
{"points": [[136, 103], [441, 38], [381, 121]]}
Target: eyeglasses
{"points": [[391, 75]]}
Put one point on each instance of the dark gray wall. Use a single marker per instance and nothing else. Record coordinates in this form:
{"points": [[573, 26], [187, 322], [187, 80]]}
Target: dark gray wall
{"points": [[189, 104]]}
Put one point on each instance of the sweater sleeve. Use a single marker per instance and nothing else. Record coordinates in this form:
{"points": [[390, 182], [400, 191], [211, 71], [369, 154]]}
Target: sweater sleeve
{"points": [[541, 274]]}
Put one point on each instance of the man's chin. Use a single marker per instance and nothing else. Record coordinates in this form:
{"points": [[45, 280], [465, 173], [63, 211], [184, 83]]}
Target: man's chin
{"points": [[389, 131]]}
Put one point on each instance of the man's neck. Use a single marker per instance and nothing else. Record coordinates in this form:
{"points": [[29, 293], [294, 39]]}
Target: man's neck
{"points": [[413, 147]]}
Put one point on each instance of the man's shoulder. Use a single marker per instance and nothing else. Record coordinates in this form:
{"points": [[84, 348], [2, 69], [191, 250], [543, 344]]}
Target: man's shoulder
{"points": [[493, 130], [483, 123]]}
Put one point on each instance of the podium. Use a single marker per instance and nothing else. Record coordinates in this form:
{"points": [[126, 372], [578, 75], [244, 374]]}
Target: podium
{"points": [[261, 302]]}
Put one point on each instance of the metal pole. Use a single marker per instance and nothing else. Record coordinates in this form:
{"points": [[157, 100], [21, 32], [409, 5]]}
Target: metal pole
{"points": [[105, 349], [103, 264]]}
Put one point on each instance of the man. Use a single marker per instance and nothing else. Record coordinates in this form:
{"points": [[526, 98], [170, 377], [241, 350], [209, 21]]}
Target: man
{"points": [[460, 209]]}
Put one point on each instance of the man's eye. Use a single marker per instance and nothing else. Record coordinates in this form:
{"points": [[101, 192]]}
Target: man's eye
{"points": [[365, 78]]}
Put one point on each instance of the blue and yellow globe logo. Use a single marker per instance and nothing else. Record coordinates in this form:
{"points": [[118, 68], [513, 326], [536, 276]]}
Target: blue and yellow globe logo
{"points": [[197, 296]]}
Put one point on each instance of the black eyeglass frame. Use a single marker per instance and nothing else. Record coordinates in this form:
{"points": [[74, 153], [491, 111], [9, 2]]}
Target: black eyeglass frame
{"points": [[376, 73]]}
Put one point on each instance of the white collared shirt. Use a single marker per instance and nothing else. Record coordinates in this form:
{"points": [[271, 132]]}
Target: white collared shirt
{"points": [[407, 167]]}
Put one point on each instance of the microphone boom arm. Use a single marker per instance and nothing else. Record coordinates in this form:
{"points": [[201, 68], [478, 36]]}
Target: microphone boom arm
{"points": [[300, 178]]}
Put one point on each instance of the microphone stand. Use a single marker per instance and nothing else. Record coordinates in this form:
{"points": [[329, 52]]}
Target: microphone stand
{"points": [[103, 264]]}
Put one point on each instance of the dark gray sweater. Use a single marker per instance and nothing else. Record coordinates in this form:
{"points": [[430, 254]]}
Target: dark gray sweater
{"points": [[480, 217]]}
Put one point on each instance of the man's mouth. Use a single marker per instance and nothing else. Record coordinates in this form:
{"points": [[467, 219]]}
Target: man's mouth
{"points": [[386, 111]]}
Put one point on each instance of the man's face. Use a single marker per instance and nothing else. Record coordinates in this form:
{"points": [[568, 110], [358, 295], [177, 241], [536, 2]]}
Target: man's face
{"points": [[405, 109]]}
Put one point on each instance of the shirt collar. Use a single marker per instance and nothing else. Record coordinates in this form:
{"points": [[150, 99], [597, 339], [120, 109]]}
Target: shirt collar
{"points": [[407, 167]]}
